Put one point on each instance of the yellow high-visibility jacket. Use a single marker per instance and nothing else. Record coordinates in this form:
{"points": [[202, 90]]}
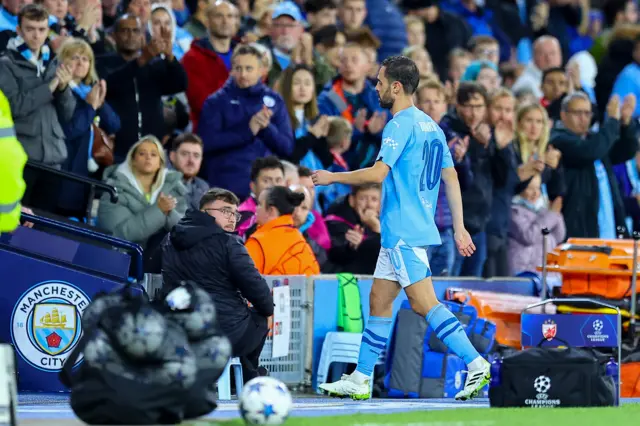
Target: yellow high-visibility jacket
{"points": [[12, 161]]}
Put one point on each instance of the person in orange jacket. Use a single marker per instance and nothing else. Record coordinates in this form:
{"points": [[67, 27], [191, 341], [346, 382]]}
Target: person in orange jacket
{"points": [[277, 247]]}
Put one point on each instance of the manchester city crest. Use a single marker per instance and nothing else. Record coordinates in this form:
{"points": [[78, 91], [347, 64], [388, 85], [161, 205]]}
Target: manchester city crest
{"points": [[47, 323]]}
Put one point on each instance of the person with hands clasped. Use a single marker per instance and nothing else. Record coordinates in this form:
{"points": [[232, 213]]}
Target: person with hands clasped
{"points": [[593, 206], [37, 87], [138, 76], [151, 199], [241, 122], [91, 115]]}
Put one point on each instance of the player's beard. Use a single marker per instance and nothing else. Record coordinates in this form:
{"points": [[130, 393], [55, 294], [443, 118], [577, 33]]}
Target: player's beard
{"points": [[386, 101]]}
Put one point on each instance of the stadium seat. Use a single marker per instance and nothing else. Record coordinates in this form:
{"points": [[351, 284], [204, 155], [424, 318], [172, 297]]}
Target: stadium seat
{"points": [[341, 347], [224, 382]]}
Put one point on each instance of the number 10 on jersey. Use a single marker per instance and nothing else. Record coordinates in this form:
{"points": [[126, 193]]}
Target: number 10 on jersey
{"points": [[432, 154]]}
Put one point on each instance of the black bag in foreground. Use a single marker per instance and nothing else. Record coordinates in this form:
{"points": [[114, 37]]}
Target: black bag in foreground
{"points": [[551, 377]]}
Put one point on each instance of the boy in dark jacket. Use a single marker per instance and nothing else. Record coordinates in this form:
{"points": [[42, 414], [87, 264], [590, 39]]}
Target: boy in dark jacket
{"points": [[201, 248]]}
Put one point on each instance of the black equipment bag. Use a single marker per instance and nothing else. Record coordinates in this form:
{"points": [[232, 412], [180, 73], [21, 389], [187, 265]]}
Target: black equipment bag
{"points": [[552, 377]]}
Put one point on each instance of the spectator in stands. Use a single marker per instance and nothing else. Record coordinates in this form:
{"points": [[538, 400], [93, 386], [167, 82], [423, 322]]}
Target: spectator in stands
{"points": [[468, 120], [265, 173], [459, 59], [534, 155], [202, 248], [9, 14], [628, 177], [416, 31], [163, 19], [137, 77], [241, 122], [290, 44], [303, 219], [37, 87], [628, 81], [290, 173], [197, 23], [338, 139], [529, 215], [208, 62], [387, 23], [593, 206], [485, 48], [502, 119], [423, 61], [484, 73], [139, 8], [546, 54], [151, 199], [617, 13], [431, 98], [328, 42], [354, 226], [370, 44], [320, 13], [298, 92], [352, 96], [186, 157], [352, 14], [449, 30], [88, 25], [92, 120], [555, 85], [318, 230], [277, 247]]}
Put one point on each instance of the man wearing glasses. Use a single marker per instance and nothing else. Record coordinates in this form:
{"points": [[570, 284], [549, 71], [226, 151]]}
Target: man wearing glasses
{"points": [[202, 248], [593, 206]]}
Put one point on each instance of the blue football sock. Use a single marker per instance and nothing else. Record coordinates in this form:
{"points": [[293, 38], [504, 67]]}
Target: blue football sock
{"points": [[450, 331], [374, 340]]}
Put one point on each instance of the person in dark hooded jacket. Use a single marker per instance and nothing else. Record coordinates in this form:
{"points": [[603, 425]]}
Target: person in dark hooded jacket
{"points": [[202, 248], [354, 226]]}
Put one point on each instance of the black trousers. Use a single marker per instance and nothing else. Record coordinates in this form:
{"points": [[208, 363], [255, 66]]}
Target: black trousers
{"points": [[249, 347], [497, 263]]}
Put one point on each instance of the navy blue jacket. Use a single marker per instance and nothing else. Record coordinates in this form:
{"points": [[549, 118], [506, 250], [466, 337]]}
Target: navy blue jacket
{"points": [[229, 145], [387, 23], [77, 132]]}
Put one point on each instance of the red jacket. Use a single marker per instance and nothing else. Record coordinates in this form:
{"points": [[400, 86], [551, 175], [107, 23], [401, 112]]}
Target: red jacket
{"points": [[206, 73]]}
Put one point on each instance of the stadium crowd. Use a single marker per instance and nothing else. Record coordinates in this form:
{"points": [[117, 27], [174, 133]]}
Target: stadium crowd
{"points": [[537, 100]]}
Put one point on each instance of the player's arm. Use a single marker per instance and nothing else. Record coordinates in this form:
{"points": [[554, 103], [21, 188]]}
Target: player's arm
{"points": [[454, 198], [374, 174], [394, 139]]}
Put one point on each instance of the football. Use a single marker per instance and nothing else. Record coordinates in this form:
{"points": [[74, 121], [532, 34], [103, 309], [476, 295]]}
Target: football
{"points": [[265, 401]]}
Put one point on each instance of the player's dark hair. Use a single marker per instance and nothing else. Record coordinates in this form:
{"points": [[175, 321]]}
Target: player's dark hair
{"points": [[365, 187], [266, 163], [215, 194], [283, 199], [404, 71], [468, 90]]}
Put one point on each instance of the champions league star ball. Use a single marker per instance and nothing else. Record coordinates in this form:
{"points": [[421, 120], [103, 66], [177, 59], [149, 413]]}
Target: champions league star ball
{"points": [[265, 401]]}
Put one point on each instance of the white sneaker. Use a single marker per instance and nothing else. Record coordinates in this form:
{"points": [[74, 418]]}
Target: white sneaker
{"points": [[347, 386], [476, 380]]}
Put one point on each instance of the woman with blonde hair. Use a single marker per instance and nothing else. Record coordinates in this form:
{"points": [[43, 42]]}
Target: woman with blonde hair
{"points": [[151, 199], [91, 116], [533, 152]]}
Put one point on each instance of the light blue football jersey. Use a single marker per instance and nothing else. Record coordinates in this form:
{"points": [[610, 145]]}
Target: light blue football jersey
{"points": [[414, 147]]}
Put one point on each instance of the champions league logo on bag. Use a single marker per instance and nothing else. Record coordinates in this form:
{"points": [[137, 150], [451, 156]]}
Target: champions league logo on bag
{"points": [[542, 384]]}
